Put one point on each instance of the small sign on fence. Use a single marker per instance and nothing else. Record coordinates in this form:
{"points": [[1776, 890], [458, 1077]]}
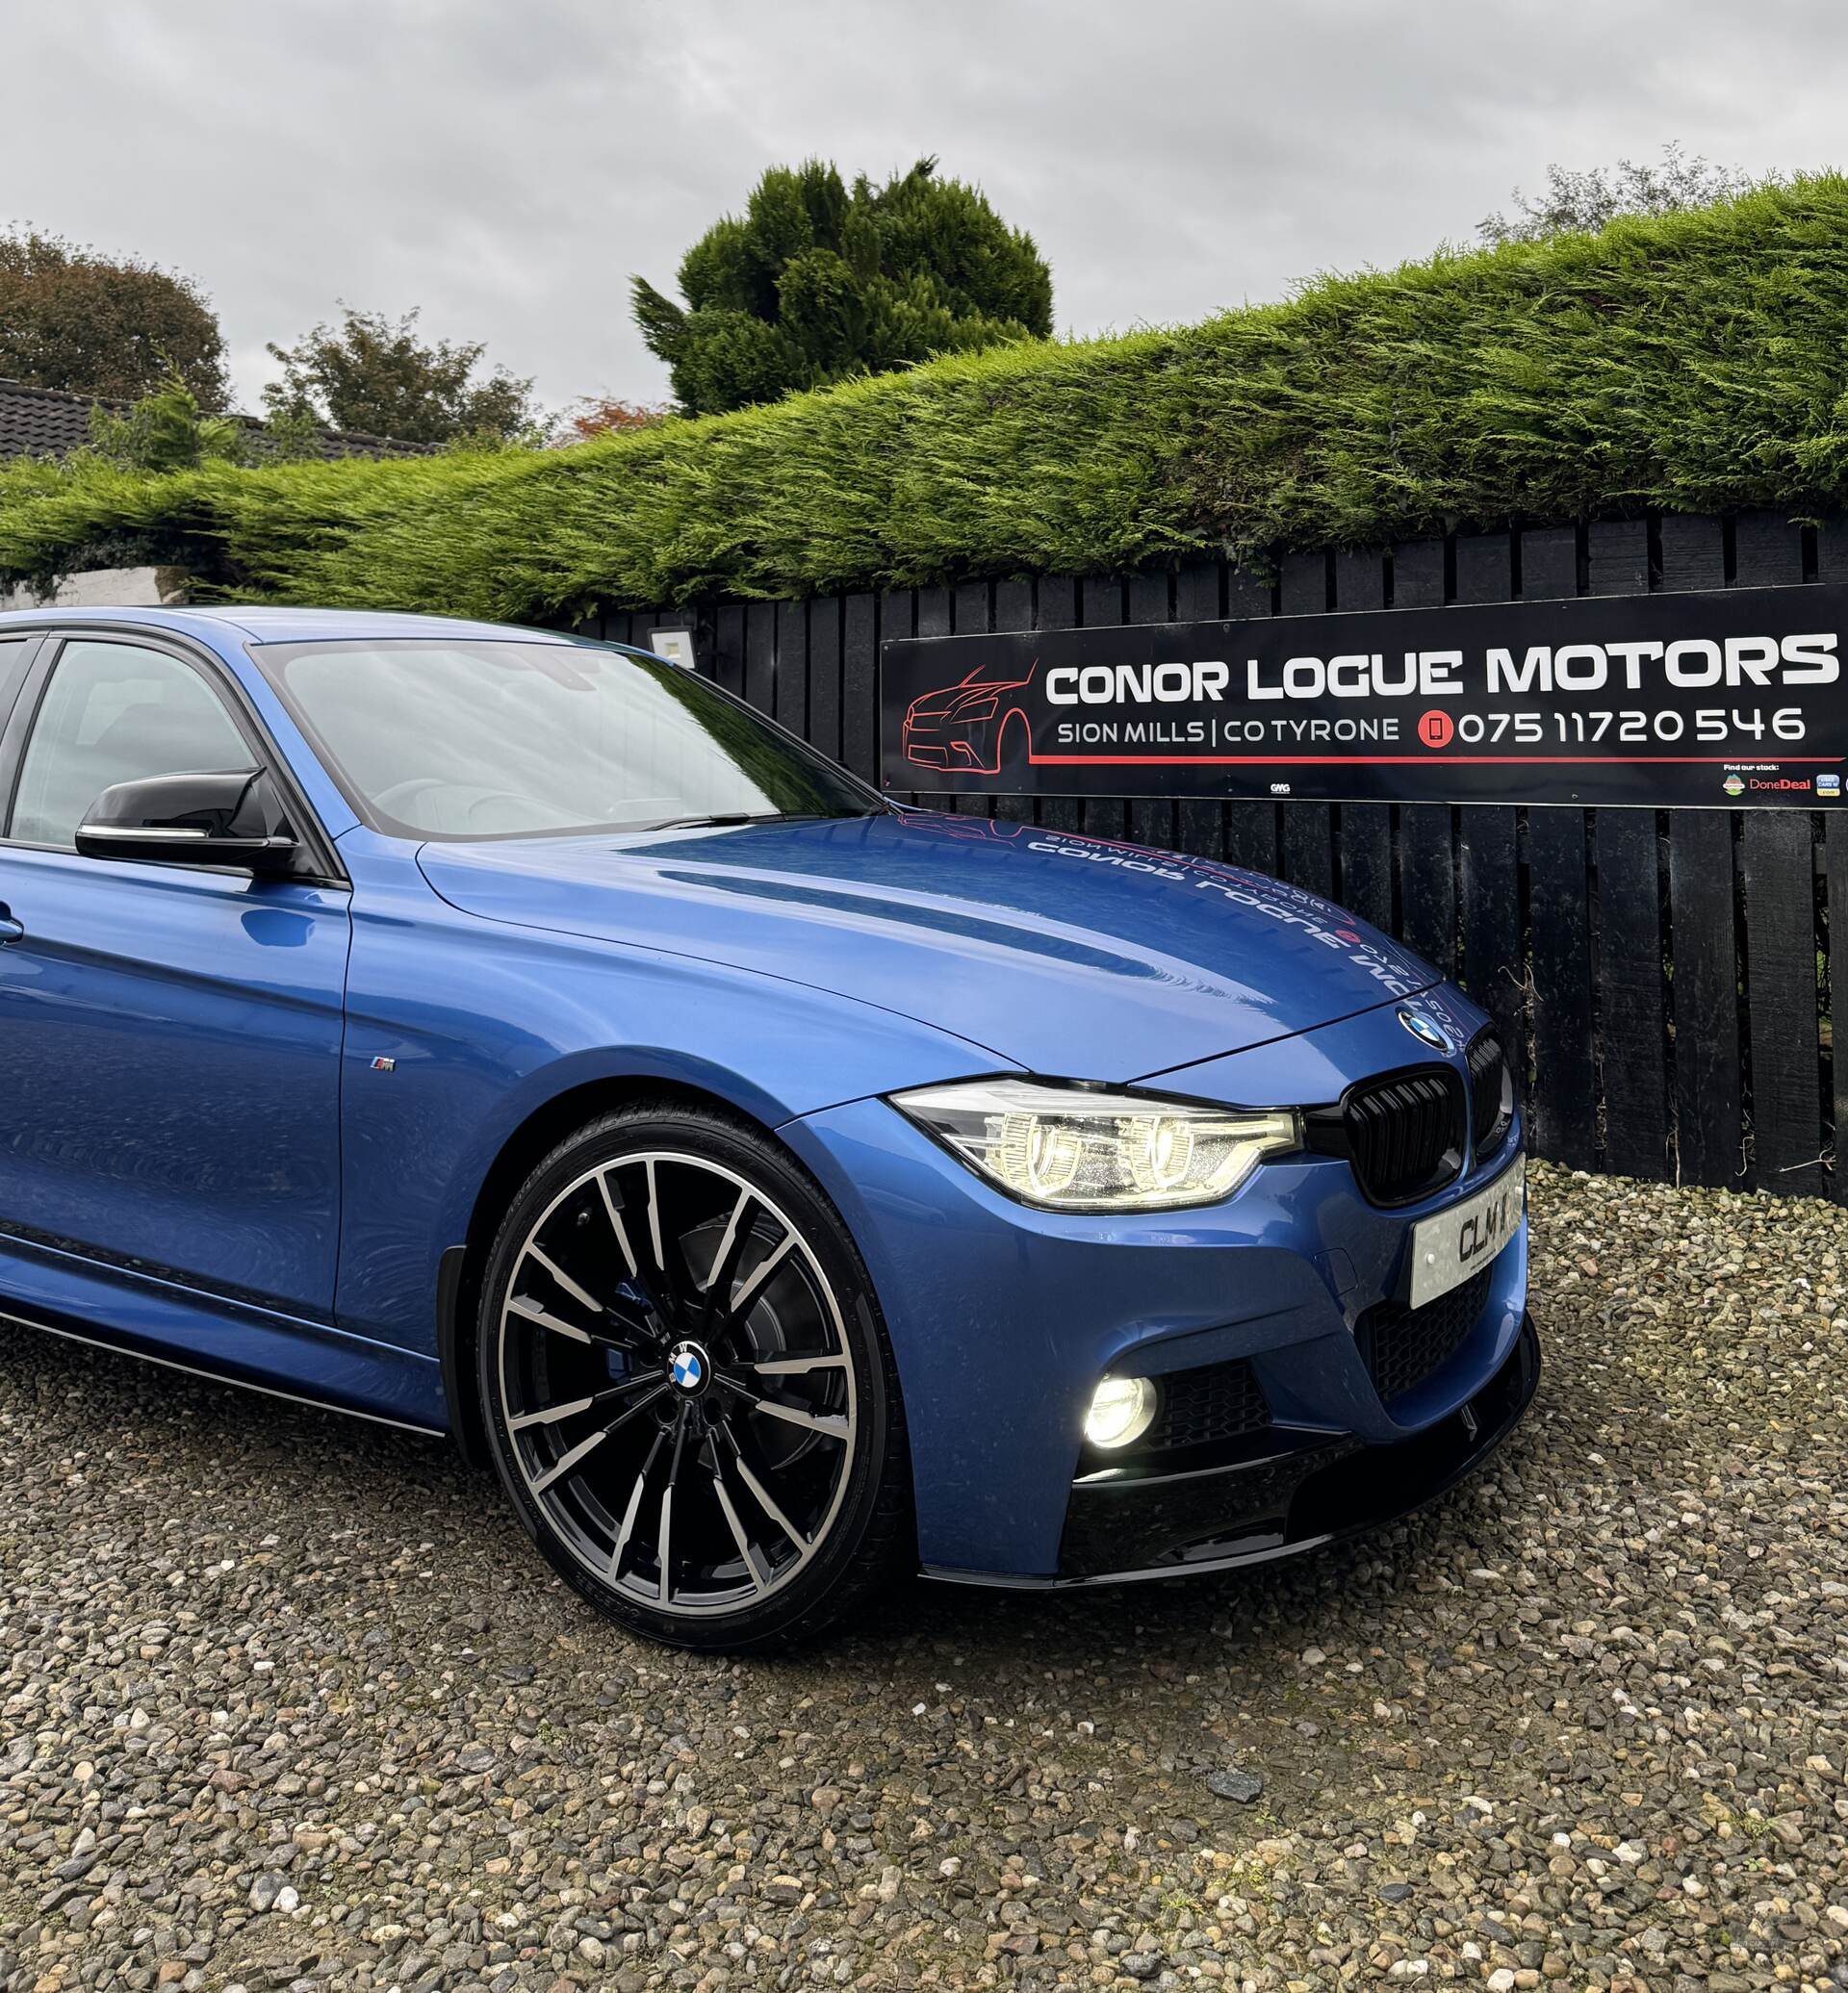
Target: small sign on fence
{"points": [[1728, 699]]}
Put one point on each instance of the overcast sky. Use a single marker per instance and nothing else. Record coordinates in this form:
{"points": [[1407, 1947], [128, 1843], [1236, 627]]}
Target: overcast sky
{"points": [[506, 166]]}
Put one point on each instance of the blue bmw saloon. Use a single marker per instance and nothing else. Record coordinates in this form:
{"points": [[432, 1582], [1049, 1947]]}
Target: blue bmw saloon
{"points": [[508, 1036]]}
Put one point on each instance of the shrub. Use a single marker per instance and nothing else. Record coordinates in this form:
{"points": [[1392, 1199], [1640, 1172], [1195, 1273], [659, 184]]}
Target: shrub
{"points": [[1694, 361]]}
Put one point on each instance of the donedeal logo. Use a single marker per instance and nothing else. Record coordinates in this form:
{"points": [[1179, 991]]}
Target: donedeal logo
{"points": [[1783, 782]]}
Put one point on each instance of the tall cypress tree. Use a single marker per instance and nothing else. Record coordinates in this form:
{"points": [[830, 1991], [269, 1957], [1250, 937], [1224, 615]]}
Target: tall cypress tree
{"points": [[814, 283]]}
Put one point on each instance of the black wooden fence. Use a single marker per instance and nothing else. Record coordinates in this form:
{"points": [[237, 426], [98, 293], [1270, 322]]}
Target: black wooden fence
{"points": [[1663, 977]]}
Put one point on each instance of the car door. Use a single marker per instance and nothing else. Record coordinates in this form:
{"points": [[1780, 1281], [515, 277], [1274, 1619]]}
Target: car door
{"points": [[169, 1034]]}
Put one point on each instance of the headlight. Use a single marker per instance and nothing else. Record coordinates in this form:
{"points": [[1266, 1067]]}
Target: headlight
{"points": [[978, 709], [1069, 1148]]}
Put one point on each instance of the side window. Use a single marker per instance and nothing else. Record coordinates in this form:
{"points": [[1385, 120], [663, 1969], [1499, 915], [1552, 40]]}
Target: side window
{"points": [[116, 713]]}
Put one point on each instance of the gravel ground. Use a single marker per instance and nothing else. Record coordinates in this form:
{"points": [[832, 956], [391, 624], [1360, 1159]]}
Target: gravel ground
{"points": [[286, 1700]]}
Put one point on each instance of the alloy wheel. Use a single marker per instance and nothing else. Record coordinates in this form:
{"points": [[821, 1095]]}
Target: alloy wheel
{"points": [[676, 1390]]}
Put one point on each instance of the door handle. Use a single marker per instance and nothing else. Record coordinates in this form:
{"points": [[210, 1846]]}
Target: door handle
{"points": [[11, 929]]}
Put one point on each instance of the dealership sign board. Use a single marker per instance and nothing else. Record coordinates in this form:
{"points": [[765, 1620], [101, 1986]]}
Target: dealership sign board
{"points": [[1725, 699]]}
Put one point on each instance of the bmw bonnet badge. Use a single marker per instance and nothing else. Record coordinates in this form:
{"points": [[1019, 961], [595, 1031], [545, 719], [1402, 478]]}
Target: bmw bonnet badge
{"points": [[1423, 1030]]}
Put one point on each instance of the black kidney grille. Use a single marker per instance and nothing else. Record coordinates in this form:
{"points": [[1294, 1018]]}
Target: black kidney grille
{"points": [[1200, 1408], [1404, 1132], [1402, 1346], [1487, 1065]]}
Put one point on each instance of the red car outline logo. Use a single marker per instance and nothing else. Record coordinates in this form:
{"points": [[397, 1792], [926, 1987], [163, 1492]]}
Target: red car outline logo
{"points": [[964, 728]]}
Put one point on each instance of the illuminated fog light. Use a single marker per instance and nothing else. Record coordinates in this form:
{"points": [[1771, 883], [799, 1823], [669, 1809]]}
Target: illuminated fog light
{"points": [[1122, 1409]]}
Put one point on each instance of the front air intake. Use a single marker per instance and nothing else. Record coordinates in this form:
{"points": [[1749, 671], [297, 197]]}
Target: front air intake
{"points": [[1401, 1346]]}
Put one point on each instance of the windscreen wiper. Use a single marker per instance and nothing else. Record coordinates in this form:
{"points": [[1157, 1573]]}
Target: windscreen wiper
{"points": [[700, 823], [761, 816]]}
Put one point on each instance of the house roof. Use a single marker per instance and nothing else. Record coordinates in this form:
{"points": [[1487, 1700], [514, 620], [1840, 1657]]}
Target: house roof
{"points": [[48, 423]]}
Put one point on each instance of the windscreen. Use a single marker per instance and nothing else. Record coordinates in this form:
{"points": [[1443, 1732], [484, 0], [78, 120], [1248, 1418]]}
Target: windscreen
{"points": [[466, 739]]}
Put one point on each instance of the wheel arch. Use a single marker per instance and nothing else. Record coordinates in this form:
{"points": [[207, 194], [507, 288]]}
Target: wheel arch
{"points": [[460, 1269], [458, 1283]]}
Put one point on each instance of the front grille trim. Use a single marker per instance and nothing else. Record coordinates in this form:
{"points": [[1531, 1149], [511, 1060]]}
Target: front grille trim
{"points": [[1487, 1064], [1405, 1132]]}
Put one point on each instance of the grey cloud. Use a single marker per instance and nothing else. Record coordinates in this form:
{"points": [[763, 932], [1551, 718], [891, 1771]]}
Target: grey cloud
{"points": [[507, 167]]}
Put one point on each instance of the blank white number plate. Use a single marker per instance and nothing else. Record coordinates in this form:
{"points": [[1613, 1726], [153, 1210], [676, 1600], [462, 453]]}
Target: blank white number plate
{"points": [[1456, 1243]]}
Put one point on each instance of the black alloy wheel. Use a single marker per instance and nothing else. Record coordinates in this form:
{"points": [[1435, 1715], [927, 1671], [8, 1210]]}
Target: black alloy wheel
{"points": [[689, 1397]]}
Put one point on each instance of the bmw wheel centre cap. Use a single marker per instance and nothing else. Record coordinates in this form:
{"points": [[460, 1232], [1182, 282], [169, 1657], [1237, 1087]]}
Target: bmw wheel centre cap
{"points": [[689, 1369], [1424, 1030]]}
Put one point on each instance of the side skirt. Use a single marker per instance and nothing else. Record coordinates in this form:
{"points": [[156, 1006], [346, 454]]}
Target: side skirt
{"points": [[116, 1347], [316, 1362]]}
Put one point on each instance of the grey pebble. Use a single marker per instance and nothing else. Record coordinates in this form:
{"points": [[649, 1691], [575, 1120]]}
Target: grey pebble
{"points": [[264, 1890], [1243, 1787]]}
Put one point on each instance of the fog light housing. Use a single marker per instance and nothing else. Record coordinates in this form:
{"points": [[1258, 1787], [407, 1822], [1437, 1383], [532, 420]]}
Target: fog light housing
{"points": [[1122, 1411]]}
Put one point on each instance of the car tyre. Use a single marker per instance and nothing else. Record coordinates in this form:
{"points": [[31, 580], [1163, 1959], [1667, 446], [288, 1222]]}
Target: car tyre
{"points": [[687, 1389]]}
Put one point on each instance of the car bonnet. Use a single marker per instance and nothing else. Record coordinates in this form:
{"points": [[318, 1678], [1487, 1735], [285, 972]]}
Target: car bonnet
{"points": [[1063, 955]]}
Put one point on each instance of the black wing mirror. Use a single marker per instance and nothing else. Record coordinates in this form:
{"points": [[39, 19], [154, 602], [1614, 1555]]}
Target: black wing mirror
{"points": [[231, 817]]}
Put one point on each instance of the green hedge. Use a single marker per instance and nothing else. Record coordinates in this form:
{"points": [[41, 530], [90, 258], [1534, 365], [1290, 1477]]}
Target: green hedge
{"points": [[1693, 362]]}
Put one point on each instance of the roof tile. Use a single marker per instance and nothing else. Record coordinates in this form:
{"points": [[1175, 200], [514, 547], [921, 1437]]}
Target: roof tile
{"points": [[48, 423]]}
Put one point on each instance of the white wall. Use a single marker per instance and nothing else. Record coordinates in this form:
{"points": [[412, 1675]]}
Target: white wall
{"points": [[106, 588]]}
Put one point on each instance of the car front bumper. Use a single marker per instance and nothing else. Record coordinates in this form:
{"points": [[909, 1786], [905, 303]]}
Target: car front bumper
{"points": [[1280, 1501], [1003, 1318]]}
